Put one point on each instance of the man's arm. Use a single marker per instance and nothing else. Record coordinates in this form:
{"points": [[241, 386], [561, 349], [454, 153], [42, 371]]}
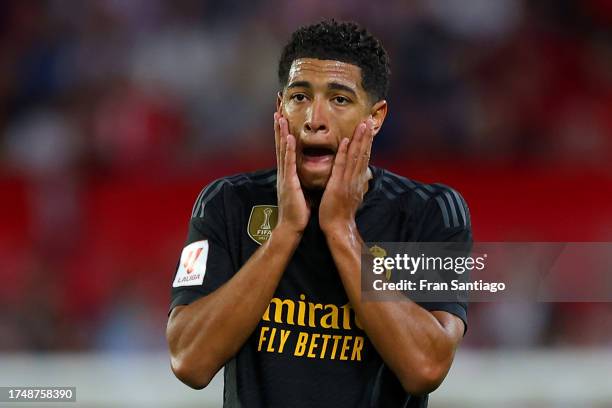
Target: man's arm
{"points": [[205, 334], [416, 344], [202, 336]]}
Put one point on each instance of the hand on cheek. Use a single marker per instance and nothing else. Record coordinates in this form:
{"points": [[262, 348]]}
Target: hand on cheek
{"points": [[293, 209], [348, 181]]}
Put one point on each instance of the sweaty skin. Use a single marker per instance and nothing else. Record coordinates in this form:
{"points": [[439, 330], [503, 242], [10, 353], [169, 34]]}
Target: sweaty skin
{"points": [[324, 102]]}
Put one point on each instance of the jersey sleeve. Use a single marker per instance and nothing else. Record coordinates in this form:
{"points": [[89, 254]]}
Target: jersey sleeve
{"points": [[205, 262], [446, 219]]}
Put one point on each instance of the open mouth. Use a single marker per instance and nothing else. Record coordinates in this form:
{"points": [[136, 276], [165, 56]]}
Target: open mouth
{"points": [[317, 152], [318, 155]]}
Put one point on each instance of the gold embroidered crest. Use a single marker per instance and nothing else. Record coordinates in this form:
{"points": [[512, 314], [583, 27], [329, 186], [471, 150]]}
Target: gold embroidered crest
{"points": [[378, 252], [262, 221]]}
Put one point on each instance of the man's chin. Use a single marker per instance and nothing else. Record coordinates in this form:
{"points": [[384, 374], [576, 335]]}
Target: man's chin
{"points": [[314, 182]]}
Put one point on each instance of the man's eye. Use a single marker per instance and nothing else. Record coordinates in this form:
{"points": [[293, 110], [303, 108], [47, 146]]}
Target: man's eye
{"points": [[299, 97], [341, 100]]}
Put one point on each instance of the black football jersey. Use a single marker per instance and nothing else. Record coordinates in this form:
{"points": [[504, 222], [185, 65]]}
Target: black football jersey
{"points": [[309, 349]]}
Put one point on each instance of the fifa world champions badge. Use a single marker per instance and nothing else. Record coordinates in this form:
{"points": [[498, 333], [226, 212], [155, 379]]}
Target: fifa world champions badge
{"points": [[262, 221]]}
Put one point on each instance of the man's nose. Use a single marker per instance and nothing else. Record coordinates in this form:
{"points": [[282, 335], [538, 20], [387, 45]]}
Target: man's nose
{"points": [[316, 117]]}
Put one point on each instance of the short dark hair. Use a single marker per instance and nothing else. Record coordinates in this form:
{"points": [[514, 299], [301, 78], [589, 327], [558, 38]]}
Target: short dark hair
{"points": [[340, 41]]}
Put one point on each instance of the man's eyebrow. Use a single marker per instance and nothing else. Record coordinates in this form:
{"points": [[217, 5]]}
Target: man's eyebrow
{"points": [[299, 84], [341, 87], [331, 86]]}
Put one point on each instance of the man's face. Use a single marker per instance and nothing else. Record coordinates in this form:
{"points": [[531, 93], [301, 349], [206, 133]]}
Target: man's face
{"points": [[323, 102]]}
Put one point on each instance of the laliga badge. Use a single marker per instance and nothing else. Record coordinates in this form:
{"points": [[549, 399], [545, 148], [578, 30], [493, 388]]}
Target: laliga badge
{"points": [[262, 221], [192, 265]]}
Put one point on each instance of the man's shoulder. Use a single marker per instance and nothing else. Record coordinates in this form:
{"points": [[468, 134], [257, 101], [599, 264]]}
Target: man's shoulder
{"points": [[241, 186], [396, 186], [257, 178], [413, 194]]}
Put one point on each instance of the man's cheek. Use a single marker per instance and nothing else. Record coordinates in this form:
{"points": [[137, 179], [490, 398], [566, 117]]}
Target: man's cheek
{"points": [[294, 130]]}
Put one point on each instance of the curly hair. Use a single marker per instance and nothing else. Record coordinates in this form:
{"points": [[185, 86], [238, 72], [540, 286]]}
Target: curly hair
{"points": [[340, 41]]}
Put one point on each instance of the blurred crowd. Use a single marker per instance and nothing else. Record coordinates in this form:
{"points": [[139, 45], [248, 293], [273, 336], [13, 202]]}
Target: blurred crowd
{"points": [[99, 92]]}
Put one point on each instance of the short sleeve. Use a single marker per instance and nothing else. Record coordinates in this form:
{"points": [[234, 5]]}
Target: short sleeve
{"points": [[446, 218], [205, 262]]}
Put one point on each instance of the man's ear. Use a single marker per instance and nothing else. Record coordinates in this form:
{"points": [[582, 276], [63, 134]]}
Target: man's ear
{"points": [[279, 101], [378, 113]]}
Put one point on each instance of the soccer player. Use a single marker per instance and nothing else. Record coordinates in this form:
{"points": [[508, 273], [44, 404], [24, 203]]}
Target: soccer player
{"points": [[269, 282]]}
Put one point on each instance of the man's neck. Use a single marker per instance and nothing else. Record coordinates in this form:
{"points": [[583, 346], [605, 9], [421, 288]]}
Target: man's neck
{"points": [[313, 197]]}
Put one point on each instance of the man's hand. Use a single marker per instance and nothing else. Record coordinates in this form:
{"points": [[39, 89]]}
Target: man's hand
{"points": [[293, 211], [348, 181], [417, 345]]}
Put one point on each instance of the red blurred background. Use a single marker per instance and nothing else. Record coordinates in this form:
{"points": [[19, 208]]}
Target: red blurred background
{"points": [[114, 115]]}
